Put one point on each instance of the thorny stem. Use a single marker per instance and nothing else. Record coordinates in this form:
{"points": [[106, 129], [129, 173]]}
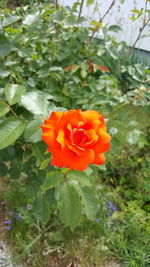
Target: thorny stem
{"points": [[56, 3], [101, 20], [1, 100], [145, 22], [80, 11]]}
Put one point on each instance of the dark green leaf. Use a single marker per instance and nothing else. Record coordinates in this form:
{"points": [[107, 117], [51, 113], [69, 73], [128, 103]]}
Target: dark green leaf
{"points": [[81, 177], [52, 180], [15, 169], [33, 131], [32, 189], [42, 209], [115, 28], [89, 200], [5, 46], [10, 130], [3, 169], [39, 150], [69, 205], [50, 196]]}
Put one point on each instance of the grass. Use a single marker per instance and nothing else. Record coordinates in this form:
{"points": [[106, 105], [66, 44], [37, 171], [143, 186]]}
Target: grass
{"points": [[122, 238]]}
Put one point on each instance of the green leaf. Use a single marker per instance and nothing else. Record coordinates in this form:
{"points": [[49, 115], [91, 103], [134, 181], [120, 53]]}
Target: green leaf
{"points": [[96, 24], [15, 169], [13, 92], [89, 2], [10, 129], [115, 28], [81, 177], [3, 73], [31, 18], [69, 205], [32, 189], [83, 73], [33, 131], [133, 136], [3, 109], [39, 150], [89, 200], [135, 11], [42, 209], [44, 163], [52, 179], [36, 102], [5, 46], [50, 196], [146, 207], [3, 169], [70, 20], [10, 20]]}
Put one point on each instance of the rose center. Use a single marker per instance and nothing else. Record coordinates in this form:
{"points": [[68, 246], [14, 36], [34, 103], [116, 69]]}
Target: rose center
{"points": [[79, 136]]}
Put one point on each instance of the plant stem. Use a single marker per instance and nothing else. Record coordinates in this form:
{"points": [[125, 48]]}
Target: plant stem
{"points": [[56, 3], [1, 100], [145, 22], [80, 11], [101, 20]]}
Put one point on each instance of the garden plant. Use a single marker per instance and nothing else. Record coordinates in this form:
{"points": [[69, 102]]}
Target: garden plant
{"points": [[68, 102]]}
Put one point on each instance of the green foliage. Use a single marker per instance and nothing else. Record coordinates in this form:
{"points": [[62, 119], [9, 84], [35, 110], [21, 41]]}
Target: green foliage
{"points": [[69, 204], [47, 64], [10, 129]]}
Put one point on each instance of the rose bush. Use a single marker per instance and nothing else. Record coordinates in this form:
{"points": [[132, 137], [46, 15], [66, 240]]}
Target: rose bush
{"points": [[76, 138]]}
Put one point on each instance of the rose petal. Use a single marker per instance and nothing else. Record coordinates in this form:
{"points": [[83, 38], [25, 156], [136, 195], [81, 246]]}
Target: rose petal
{"points": [[69, 159], [99, 159]]}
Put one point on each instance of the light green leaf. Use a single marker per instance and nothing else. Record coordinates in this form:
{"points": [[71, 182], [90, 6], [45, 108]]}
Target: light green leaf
{"points": [[135, 11], [133, 136], [36, 102], [52, 179], [5, 46], [3, 73], [83, 73], [10, 129], [89, 2], [89, 200], [44, 163], [3, 109], [81, 177], [69, 205], [96, 24], [31, 18], [10, 20], [42, 209], [13, 92], [113, 130], [33, 131]]}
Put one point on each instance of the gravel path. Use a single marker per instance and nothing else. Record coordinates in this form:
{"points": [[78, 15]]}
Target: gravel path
{"points": [[5, 257]]}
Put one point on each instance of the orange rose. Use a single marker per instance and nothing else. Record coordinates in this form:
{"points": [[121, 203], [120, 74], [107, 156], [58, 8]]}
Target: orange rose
{"points": [[76, 138]]}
